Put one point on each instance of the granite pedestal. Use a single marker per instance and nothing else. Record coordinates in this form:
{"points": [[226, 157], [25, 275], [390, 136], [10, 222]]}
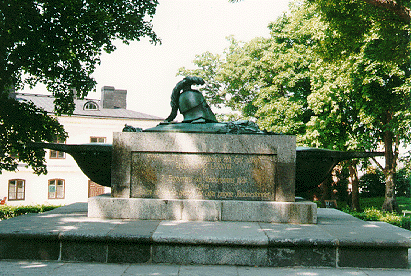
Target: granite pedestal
{"points": [[200, 176]]}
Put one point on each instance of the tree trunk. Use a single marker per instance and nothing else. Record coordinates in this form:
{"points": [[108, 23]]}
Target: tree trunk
{"points": [[390, 203], [355, 193]]}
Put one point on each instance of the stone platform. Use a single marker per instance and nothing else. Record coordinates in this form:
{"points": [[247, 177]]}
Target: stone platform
{"points": [[337, 240], [105, 206]]}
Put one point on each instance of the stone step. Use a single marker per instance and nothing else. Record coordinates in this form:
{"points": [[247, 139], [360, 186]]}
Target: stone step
{"points": [[337, 240], [105, 206]]}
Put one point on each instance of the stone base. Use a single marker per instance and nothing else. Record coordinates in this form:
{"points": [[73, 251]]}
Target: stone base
{"points": [[105, 206], [337, 240]]}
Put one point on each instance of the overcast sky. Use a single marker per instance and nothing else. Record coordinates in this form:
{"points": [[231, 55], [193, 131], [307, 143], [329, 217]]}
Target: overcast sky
{"points": [[186, 28]]}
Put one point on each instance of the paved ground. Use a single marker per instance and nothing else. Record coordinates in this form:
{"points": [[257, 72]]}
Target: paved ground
{"points": [[47, 224], [59, 268]]}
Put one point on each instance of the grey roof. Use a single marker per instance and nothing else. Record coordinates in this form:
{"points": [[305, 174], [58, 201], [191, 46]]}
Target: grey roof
{"points": [[46, 102]]}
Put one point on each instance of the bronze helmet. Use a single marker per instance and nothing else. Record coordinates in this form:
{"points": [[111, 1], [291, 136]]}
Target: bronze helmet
{"points": [[190, 102]]}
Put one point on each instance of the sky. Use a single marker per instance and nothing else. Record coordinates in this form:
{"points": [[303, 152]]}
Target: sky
{"points": [[187, 28]]}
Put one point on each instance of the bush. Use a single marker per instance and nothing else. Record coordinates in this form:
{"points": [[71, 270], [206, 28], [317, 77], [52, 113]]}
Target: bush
{"points": [[372, 211], [373, 214], [8, 211], [402, 182], [372, 184]]}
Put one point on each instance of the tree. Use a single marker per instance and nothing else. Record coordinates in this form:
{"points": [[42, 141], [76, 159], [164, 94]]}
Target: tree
{"points": [[21, 122], [264, 79], [332, 85], [57, 43], [282, 83], [380, 54]]}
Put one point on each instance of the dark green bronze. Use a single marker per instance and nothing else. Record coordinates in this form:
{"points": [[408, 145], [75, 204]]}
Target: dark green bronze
{"points": [[190, 102], [237, 127], [312, 165], [93, 159]]}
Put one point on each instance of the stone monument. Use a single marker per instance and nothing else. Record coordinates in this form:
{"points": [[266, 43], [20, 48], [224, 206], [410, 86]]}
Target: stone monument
{"points": [[201, 169]]}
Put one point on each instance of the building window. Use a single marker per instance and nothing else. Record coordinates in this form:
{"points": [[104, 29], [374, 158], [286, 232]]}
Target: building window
{"points": [[97, 139], [90, 106], [56, 188], [54, 154], [17, 189]]}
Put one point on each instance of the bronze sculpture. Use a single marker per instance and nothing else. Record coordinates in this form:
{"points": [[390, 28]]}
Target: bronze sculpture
{"points": [[190, 102]]}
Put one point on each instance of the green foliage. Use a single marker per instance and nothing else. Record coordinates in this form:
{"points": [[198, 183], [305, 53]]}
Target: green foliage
{"points": [[384, 31], [8, 211], [373, 214], [404, 203], [22, 122], [58, 43], [403, 182], [284, 84], [372, 184], [267, 79], [334, 73], [377, 51]]}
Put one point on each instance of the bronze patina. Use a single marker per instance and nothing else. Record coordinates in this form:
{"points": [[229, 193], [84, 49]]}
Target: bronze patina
{"points": [[190, 102]]}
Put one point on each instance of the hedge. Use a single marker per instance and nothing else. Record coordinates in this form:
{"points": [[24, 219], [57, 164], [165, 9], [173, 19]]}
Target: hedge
{"points": [[7, 211]]}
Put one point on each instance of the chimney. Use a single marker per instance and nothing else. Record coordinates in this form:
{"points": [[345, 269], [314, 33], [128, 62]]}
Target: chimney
{"points": [[113, 98]]}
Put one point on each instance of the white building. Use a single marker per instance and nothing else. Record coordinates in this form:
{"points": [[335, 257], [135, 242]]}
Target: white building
{"points": [[93, 121]]}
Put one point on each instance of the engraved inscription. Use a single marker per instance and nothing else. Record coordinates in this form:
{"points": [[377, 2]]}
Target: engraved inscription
{"points": [[203, 176]]}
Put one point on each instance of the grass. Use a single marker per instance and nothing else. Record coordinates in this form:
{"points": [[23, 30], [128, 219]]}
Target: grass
{"points": [[404, 203], [7, 211], [372, 211]]}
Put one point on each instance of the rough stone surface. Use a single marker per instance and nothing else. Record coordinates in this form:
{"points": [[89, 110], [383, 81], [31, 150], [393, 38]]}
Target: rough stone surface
{"points": [[217, 233], [84, 251], [222, 255], [203, 166], [203, 210], [125, 252], [284, 212], [18, 267], [302, 256], [105, 206], [72, 236], [134, 208], [373, 257], [29, 248]]}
